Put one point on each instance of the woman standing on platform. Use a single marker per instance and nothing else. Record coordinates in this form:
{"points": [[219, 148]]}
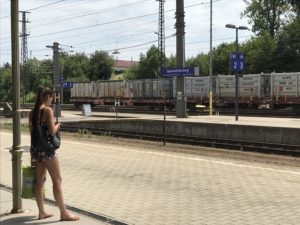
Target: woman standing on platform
{"points": [[42, 114]]}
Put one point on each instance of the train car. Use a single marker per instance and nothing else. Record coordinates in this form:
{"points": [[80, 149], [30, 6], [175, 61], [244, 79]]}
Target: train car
{"points": [[84, 92], [254, 89], [285, 89], [196, 91]]}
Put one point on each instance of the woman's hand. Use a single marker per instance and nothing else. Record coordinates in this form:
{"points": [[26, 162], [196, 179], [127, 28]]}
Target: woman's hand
{"points": [[58, 125]]}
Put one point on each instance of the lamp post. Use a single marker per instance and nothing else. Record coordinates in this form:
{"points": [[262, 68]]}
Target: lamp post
{"points": [[237, 28]]}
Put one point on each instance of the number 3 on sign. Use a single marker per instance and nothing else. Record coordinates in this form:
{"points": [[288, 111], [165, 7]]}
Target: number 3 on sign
{"points": [[241, 65]]}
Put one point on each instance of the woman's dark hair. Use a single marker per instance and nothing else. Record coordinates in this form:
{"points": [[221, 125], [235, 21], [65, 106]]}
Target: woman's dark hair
{"points": [[41, 94]]}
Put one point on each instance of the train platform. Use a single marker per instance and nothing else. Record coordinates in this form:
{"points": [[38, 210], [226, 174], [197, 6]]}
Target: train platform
{"points": [[76, 116], [215, 119], [146, 183], [29, 213]]}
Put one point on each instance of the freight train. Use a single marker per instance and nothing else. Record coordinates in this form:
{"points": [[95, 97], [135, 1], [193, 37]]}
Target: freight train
{"points": [[255, 90]]}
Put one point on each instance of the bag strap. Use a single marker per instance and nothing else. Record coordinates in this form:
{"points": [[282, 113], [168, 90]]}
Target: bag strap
{"points": [[41, 115]]}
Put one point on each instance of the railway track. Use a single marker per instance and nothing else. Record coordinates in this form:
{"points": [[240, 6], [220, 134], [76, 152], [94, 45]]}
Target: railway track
{"points": [[267, 148]]}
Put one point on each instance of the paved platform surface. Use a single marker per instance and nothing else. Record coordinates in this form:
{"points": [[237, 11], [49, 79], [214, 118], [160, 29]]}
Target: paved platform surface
{"points": [[30, 212], [146, 185]]}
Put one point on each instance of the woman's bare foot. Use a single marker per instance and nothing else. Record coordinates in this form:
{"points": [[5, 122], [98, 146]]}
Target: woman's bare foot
{"points": [[44, 215], [69, 217]]}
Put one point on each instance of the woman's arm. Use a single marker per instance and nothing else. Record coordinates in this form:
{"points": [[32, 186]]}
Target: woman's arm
{"points": [[53, 128]]}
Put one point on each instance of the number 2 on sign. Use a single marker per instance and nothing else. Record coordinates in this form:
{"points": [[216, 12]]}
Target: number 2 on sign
{"points": [[235, 64]]}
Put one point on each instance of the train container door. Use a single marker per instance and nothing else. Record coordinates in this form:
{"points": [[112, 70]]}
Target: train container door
{"points": [[226, 86], [285, 85], [249, 86], [106, 89], [94, 90], [155, 88], [101, 87], [200, 87], [73, 90], [174, 87], [167, 87], [118, 89], [265, 86], [127, 89], [140, 88], [188, 86], [148, 88]]}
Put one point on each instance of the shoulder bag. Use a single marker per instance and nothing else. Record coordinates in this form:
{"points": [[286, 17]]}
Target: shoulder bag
{"points": [[42, 140]]}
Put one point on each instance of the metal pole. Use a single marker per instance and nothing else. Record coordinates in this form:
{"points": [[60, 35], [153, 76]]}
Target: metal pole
{"points": [[56, 81], [237, 81], [16, 149], [180, 59], [210, 63]]}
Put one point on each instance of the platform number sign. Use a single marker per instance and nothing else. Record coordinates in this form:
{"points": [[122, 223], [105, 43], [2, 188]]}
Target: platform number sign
{"points": [[67, 84], [237, 61]]}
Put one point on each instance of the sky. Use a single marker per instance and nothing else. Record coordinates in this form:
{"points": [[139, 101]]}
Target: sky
{"points": [[128, 26]]}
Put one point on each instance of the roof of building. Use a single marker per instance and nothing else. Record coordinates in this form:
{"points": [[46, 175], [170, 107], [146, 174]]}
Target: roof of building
{"points": [[124, 64]]}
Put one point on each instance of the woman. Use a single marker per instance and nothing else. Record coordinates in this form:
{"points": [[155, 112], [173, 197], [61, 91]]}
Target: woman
{"points": [[42, 113]]}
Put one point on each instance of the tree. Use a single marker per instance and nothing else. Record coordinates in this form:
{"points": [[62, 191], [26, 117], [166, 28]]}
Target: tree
{"points": [[201, 61], [287, 54], [75, 67], [259, 54], [296, 6], [100, 66], [221, 57], [267, 15], [148, 66], [40, 73], [5, 85]]}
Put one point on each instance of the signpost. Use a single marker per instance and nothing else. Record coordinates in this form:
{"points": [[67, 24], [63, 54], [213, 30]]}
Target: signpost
{"points": [[180, 72], [237, 64]]}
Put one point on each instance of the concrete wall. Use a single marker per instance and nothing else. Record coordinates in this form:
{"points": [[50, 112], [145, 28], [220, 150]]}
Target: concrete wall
{"points": [[274, 135]]}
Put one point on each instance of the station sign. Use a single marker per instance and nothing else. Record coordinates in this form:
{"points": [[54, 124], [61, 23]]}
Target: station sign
{"points": [[67, 84], [237, 61], [180, 72]]}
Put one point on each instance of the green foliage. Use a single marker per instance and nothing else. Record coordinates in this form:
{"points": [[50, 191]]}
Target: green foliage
{"points": [[287, 55], [75, 67], [201, 61], [148, 66], [100, 66], [221, 58], [259, 52], [267, 15], [171, 61], [5, 85], [40, 73]]}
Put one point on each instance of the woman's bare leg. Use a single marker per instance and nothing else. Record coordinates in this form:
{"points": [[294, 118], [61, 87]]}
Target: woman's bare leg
{"points": [[53, 168], [40, 171]]}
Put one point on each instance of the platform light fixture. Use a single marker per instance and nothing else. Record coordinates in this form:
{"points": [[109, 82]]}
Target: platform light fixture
{"points": [[237, 28]]}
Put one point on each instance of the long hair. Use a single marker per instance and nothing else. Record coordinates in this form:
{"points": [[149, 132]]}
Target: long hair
{"points": [[42, 93]]}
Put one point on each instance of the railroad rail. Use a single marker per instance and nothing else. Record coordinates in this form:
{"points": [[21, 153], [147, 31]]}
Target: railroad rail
{"points": [[267, 148]]}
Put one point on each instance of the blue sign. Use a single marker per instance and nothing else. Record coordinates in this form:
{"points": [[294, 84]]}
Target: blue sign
{"points": [[237, 61], [67, 84], [61, 77], [179, 72]]}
